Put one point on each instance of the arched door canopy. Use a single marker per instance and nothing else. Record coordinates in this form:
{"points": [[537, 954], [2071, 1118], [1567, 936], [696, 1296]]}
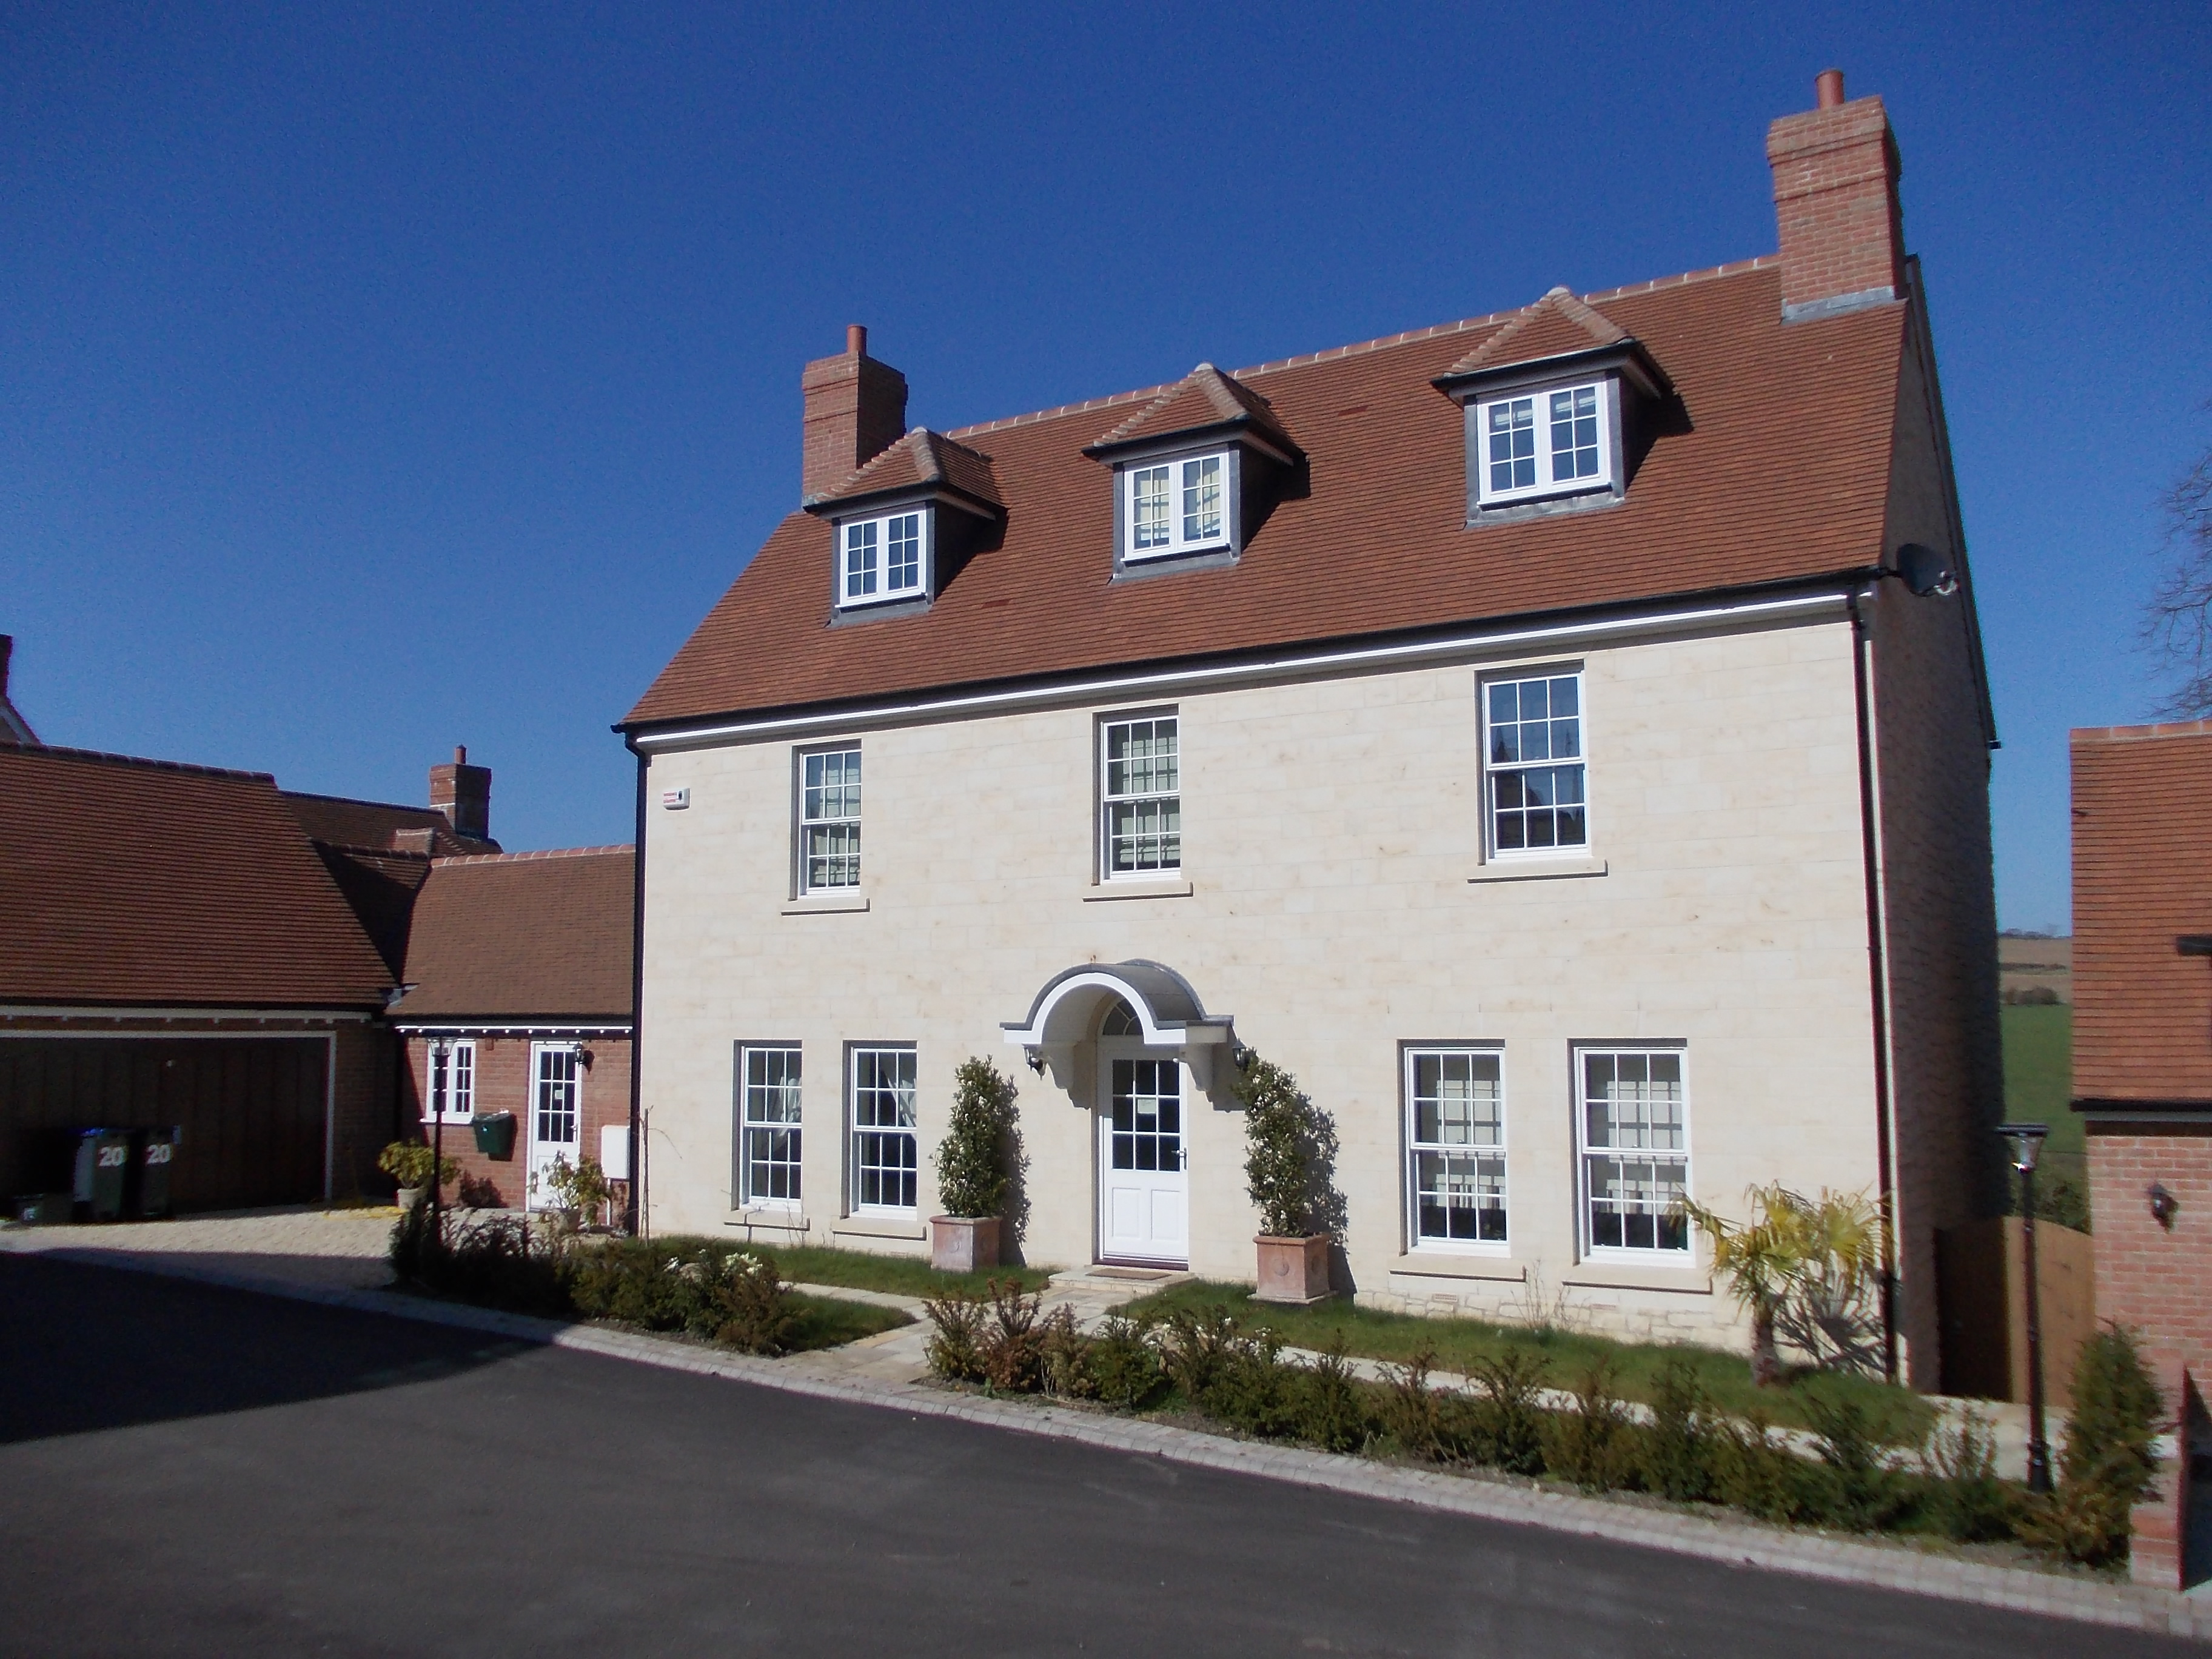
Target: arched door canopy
{"points": [[1168, 1013]]}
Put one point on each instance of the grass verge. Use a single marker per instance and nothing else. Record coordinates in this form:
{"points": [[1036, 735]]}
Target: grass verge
{"points": [[858, 1270], [1896, 1415]]}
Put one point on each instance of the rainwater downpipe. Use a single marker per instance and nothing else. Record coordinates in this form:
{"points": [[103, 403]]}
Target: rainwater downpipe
{"points": [[1878, 972]]}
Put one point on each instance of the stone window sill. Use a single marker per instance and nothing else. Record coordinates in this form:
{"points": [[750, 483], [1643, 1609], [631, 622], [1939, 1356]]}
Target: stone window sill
{"points": [[826, 904], [1539, 869], [782, 1221], [1636, 1276], [879, 1226], [1137, 889], [1436, 1264]]}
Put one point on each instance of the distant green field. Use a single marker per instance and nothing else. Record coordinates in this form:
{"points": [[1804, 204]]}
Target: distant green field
{"points": [[2039, 1071]]}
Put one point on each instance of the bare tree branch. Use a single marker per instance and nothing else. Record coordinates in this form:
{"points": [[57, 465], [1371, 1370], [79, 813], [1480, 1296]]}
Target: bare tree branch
{"points": [[2177, 624]]}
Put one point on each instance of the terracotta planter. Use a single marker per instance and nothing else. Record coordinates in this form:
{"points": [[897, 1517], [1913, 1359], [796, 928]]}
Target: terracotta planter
{"points": [[408, 1197], [1293, 1270], [964, 1244]]}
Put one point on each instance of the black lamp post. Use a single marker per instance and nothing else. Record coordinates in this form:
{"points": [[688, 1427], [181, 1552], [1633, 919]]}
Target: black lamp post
{"points": [[2026, 1145]]}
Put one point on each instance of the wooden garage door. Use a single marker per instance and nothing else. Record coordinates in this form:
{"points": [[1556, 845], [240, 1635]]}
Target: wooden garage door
{"points": [[251, 1109]]}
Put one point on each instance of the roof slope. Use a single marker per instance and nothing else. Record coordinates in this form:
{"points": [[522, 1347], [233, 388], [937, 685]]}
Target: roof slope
{"points": [[2143, 876], [337, 821], [526, 936], [138, 882], [1783, 472]]}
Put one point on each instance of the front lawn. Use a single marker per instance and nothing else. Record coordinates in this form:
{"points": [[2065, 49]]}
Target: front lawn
{"points": [[854, 1270], [1897, 1414], [824, 1323]]}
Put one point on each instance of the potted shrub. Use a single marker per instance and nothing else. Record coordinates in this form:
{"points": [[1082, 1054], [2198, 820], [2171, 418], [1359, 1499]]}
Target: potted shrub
{"points": [[581, 1190], [411, 1165], [975, 1169], [1289, 1163]]}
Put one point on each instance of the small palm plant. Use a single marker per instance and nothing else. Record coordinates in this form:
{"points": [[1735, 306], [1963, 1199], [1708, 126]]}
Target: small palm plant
{"points": [[1807, 1264]]}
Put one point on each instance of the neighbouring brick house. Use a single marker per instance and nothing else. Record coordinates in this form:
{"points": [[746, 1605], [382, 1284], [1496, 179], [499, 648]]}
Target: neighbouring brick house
{"points": [[2142, 1066], [1559, 737], [518, 998]]}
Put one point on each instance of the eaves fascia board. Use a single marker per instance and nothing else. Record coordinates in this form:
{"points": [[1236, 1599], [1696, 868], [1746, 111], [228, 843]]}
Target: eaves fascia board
{"points": [[1628, 355], [165, 1011], [891, 497], [1768, 605], [501, 1024]]}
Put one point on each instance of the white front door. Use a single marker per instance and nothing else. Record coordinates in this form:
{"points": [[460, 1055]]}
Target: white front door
{"points": [[1144, 1185], [555, 1115]]}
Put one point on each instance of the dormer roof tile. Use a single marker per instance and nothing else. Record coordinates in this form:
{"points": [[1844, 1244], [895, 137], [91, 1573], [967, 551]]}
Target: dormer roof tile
{"points": [[1204, 398], [922, 460]]}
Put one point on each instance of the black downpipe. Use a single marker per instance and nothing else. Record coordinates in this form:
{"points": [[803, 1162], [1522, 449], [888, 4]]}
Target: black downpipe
{"points": [[1878, 976], [637, 1015]]}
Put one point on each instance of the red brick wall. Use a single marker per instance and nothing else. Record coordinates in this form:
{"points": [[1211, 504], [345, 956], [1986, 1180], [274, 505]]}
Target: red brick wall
{"points": [[503, 1084], [2156, 1278]]}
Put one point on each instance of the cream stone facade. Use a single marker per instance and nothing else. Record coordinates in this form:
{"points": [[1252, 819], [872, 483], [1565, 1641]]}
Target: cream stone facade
{"points": [[1333, 901]]}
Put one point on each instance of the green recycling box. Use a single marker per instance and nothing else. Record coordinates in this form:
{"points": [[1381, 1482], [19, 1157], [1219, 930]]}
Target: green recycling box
{"points": [[494, 1133]]}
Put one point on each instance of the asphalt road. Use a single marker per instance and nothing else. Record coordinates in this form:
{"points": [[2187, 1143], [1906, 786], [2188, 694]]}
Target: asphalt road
{"points": [[186, 1470]]}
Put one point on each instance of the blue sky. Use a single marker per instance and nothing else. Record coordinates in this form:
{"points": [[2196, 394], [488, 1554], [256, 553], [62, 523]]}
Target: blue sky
{"points": [[378, 378]]}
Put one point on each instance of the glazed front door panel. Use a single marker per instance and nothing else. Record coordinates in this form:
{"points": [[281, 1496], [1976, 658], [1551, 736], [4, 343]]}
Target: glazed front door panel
{"points": [[556, 1105], [1143, 1182]]}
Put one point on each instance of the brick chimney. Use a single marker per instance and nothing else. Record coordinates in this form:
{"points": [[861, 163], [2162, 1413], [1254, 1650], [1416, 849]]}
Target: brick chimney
{"points": [[1835, 198], [856, 409], [463, 793]]}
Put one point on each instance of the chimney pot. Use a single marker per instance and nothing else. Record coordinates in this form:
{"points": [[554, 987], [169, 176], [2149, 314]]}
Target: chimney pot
{"points": [[856, 340], [1828, 89], [461, 754]]}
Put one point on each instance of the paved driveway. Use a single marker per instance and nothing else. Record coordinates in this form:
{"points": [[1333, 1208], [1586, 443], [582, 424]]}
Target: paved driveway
{"points": [[190, 1470]]}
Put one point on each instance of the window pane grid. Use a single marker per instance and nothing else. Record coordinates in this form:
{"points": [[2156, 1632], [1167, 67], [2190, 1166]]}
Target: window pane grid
{"points": [[452, 1080], [1534, 741], [1574, 434], [884, 1158], [1148, 506], [1513, 444], [1147, 1108], [1458, 1146], [1201, 500], [556, 1095], [769, 1149], [859, 560], [1143, 805], [1635, 1165], [829, 820]]}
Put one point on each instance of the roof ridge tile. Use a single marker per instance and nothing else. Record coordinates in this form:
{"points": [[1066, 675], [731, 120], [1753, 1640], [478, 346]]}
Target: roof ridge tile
{"points": [[145, 762]]}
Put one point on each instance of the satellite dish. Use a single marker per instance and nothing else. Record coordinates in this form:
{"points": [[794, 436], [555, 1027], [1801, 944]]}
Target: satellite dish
{"points": [[1925, 571]]}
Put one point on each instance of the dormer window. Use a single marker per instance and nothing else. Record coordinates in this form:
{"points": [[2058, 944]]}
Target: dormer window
{"points": [[1176, 506], [1554, 441], [885, 558]]}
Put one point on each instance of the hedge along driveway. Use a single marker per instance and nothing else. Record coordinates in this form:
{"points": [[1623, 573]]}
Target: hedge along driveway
{"points": [[1898, 1416]]}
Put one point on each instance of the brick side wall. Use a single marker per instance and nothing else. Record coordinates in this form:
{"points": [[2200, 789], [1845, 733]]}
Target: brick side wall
{"points": [[1933, 771], [364, 1113], [503, 1084], [2156, 1278]]}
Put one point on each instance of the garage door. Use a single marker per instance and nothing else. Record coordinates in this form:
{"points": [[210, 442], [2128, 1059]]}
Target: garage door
{"points": [[252, 1111]]}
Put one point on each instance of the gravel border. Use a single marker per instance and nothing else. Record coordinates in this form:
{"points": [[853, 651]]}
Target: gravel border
{"points": [[2128, 1606]]}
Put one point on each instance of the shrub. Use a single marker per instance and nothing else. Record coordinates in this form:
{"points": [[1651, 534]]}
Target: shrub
{"points": [[1124, 1363], [1753, 1473], [500, 1262], [1409, 1410], [1508, 1425], [1591, 1444], [1859, 1492], [1289, 1158], [748, 1297], [1253, 1389], [582, 1187], [1198, 1344], [1331, 1410], [1804, 1270], [477, 1193], [955, 1349], [1678, 1448], [417, 1244], [1965, 1499], [977, 1159], [2109, 1461], [1064, 1357], [1012, 1346], [411, 1162]]}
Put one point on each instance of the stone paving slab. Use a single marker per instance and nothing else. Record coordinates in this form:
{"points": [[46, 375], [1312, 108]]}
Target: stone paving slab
{"points": [[1739, 1542]]}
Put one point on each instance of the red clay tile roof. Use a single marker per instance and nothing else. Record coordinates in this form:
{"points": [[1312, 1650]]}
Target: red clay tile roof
{"points": [[127, 881], [1203, 399], [369, 826], [920, 459], [1783, 474], [525, 936], [1557, 325], [2143, 876]]}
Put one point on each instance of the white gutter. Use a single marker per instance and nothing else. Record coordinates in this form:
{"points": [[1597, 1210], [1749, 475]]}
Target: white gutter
{"points": [[256, 1016], [477, 1027], [1801, 607]]}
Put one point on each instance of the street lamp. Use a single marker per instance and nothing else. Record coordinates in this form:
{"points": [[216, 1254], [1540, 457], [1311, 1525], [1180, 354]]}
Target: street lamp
{"points": [[2026, 1145]]}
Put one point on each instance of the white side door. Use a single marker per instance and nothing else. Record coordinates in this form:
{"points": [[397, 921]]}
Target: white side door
{"points": [[556, 1115], [1144, 1182]]}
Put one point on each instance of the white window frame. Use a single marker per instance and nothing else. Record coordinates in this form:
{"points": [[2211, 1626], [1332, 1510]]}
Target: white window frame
{"points": [[1494, 768], [459, 1058], [860, 1059], [1586, 1230], [878, 568], [759, 1128], [1545, 455], [1417, 1148], [1178, 540], [1108, 800], [813, 815]]}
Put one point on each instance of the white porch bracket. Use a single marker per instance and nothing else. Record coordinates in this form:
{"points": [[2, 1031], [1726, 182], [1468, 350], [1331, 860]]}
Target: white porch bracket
{"points": [[1169, 1016]]}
